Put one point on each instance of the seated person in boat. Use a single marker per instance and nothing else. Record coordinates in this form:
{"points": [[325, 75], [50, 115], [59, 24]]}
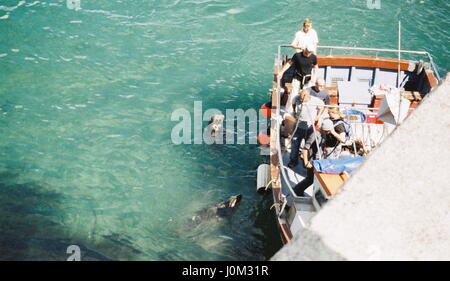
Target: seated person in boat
{"points": [[306, 108], [338, 134], [304, 64], [318, 90], [311, 152], [307, 35]]}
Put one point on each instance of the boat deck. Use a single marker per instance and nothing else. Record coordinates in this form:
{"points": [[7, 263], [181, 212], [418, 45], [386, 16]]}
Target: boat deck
{"points": [[295, 175]]}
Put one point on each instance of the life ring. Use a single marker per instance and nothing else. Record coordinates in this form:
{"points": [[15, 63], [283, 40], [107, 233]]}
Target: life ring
{"points": [[264, 139]]}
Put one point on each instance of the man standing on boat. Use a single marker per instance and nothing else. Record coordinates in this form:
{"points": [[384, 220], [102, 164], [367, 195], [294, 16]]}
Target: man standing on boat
{"points": [[304, 37], [306, 67], [320, 92], [306, 108]]}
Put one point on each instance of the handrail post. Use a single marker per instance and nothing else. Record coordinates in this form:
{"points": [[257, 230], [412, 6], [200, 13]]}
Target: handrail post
{"points": [[433, 66]]}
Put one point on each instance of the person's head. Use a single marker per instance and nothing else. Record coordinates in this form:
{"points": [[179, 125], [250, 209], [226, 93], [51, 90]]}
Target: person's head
{"points": [[307, 25], [304, 95], [320, 84], [309, 49], [335, 113], [327, 126]]}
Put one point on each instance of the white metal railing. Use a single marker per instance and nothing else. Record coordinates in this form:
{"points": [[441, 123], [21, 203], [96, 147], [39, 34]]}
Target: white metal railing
{"points": [[377, 50]]}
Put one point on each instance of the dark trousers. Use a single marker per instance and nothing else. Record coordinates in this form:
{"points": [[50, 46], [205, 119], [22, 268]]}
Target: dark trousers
{"points": [[296, 140], [300, 188]]}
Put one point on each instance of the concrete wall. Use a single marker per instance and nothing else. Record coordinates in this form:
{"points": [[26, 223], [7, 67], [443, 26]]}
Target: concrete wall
{"points": [[397, 205]]}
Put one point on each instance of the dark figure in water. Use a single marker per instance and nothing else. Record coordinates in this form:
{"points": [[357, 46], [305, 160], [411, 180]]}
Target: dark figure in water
{"points": [[218, 211], [214, 132]]}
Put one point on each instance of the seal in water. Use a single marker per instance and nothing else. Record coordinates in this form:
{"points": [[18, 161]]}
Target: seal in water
{"points": [[214, 132], [218, 211]]}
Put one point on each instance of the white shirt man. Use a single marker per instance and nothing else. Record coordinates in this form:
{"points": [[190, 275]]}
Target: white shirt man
{"points": [[304, 37]]}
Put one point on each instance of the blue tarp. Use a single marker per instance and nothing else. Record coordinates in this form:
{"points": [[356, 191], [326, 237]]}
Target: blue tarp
{"points": [[355, 112], [338, 166]]}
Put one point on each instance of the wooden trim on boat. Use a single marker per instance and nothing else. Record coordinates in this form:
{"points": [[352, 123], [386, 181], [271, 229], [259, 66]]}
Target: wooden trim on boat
{"points": [[363, 61], [431, 79], [331, 183], [286, 234], [369, 62], [274, 170]]}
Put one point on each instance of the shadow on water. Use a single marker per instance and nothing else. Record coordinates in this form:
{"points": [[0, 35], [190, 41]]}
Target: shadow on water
{"points": [[33, 226], [267, 222]]}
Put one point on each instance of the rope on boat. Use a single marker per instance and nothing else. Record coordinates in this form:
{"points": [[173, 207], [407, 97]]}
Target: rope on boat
{"points": [[270, 182], [315, 135], [278, 139], [274, 205]]}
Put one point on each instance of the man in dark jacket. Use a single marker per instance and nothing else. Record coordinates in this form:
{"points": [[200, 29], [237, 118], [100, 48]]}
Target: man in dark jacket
{"points": [[303, 63], [310, 152]]}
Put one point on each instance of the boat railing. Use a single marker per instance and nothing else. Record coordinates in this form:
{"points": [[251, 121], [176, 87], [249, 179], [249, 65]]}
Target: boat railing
{"points": [[377, 51]]}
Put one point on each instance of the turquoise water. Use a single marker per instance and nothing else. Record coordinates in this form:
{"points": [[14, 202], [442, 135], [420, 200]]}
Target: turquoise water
{"points": [[86, 98]]}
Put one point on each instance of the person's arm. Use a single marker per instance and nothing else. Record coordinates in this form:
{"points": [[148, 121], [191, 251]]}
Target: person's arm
{"points": [[285, 67], [296, 47], [319, 114], [339, 136], [327, 98], [314, 72], [306, 162], [310, 141], [316, 41], [295, 43]]}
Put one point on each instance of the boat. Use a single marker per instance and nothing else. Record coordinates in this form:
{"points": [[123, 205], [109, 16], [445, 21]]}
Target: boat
{"points": [[362, 82]]}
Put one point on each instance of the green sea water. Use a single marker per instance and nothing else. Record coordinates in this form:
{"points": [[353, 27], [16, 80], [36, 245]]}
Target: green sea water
{"points": [[86, 98]]}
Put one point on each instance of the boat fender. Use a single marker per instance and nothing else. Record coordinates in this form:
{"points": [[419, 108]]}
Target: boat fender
{"points": [[262, 178], [266, 109], [264, 139]]}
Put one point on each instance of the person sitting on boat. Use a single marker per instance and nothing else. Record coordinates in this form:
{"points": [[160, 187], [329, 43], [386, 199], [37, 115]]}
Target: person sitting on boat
{"points": [[311, 152], [319, 91], [304, 36], [337, 137], [305, 64], [306, 108]]}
